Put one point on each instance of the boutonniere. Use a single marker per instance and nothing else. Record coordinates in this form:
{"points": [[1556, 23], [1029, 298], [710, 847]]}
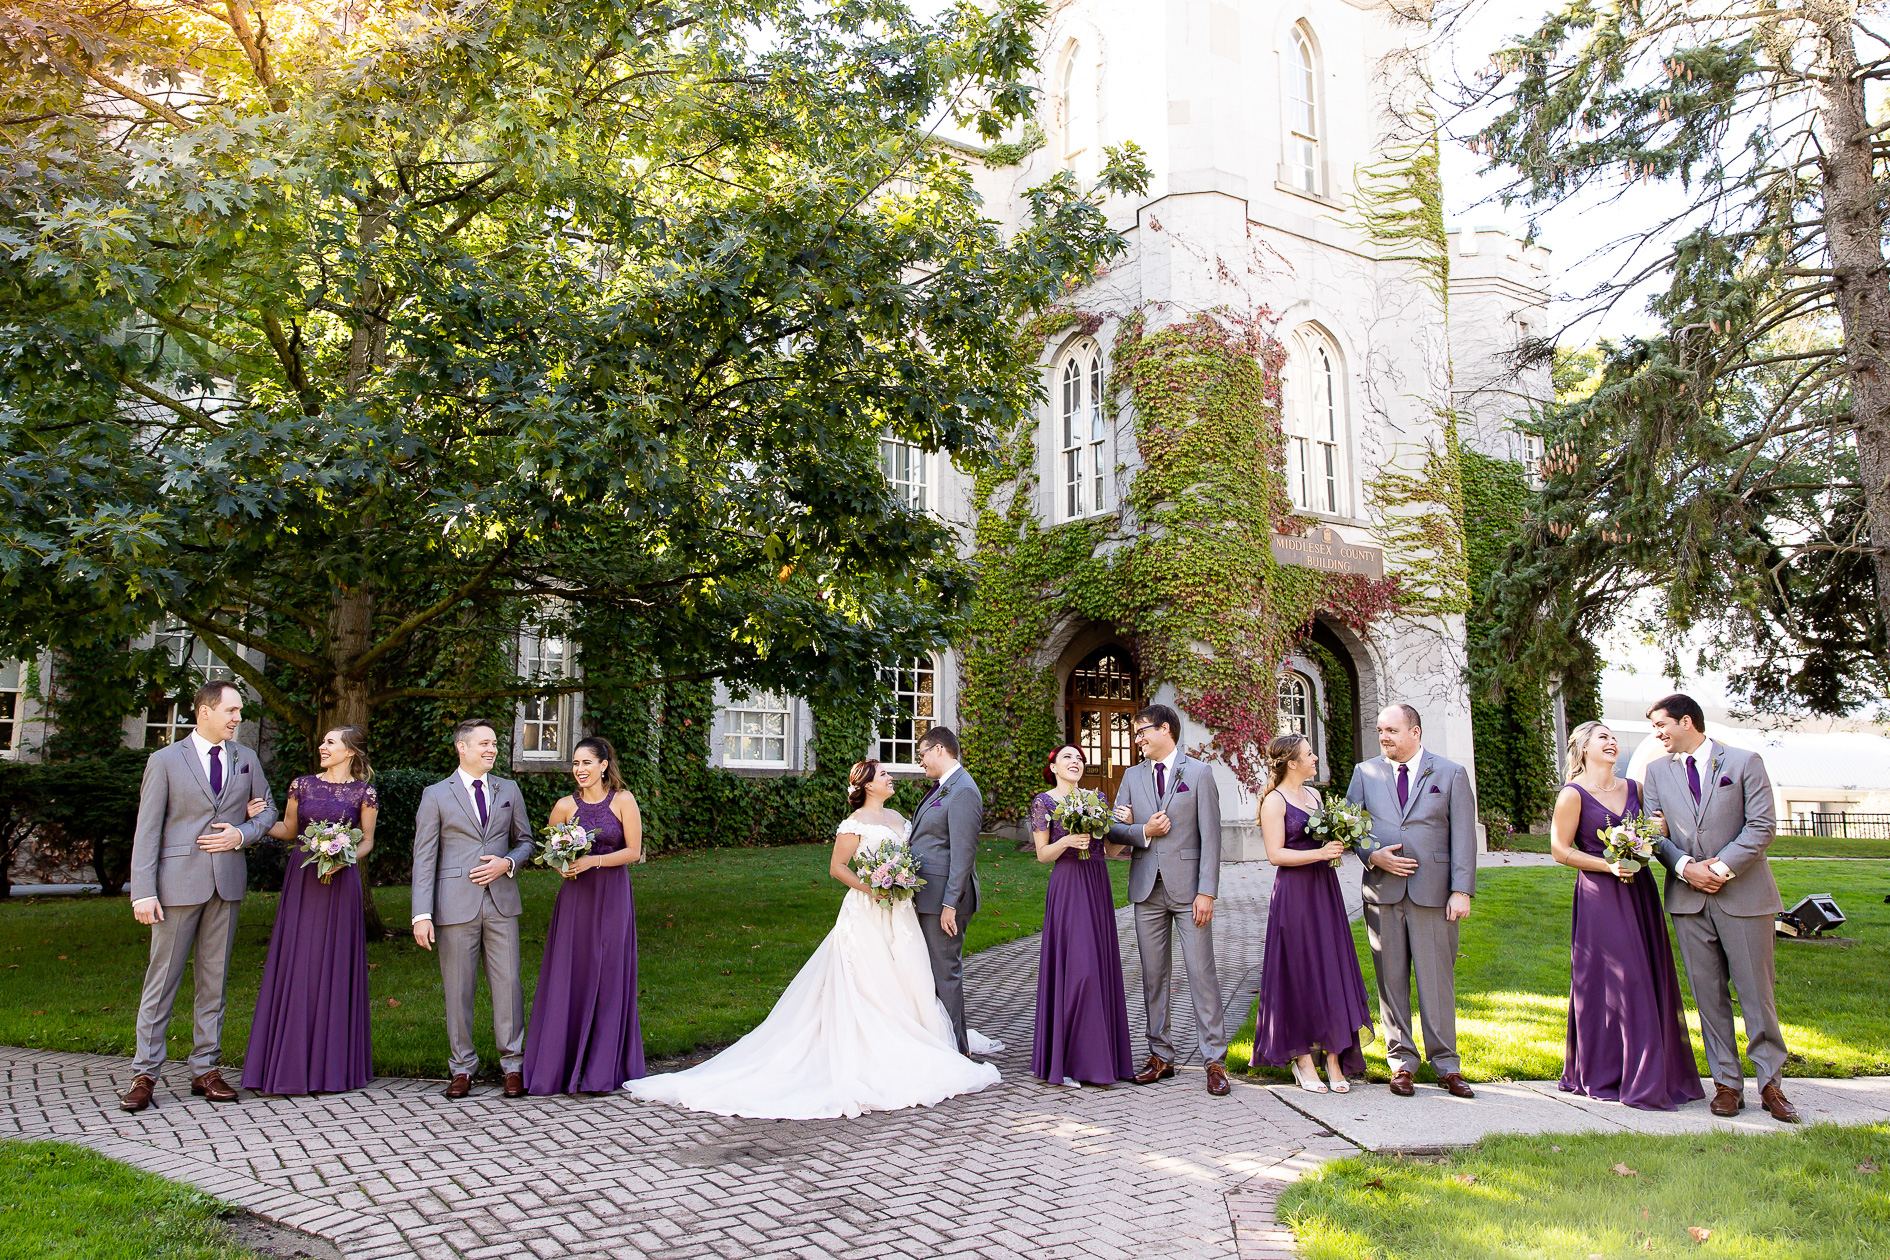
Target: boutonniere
{"points": [[938, 798]]}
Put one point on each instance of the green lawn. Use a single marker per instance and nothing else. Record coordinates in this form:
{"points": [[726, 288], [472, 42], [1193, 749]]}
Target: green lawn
{"points": [[1513, 975], [60, 1202], [1819, 1192], [1782, 846], [720, 932]]}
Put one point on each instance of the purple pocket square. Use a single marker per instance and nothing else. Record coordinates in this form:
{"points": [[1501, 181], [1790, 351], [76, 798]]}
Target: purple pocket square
{"points": [[1181, 787], [1725, 782], [1434, 789]]}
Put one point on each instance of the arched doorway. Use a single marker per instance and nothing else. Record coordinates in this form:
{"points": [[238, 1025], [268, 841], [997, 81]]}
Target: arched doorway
{"points": [[1104, 691]]}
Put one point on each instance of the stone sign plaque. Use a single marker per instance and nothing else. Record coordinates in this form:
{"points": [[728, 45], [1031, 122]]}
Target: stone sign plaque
{"points": [[1323, 549]]}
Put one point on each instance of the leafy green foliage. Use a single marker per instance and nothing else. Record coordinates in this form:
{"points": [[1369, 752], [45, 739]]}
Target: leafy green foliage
{"points": [[400, 326], [1736, 461]]}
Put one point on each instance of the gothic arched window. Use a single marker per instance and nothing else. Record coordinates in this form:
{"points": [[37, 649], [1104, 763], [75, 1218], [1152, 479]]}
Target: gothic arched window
{"points": [[1080, 433], [1315, 424], [1303, 123], [1295, 711], [1078, 147]]}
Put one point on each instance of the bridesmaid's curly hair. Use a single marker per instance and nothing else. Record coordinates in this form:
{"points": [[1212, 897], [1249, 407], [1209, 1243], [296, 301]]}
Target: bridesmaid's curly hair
{"points": [[1282, 751], [863, 773], [1050, 762]]}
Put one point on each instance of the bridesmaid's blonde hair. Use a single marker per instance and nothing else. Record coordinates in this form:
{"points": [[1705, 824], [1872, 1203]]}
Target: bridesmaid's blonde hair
{"points": [[1282, 751], [1577, 749]]}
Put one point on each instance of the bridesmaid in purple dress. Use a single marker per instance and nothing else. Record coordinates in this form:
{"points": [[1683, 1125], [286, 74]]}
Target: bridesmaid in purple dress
{"points": [[584, 1036], [1082, 1015], [310, 1035], [1312, 993], [1627, 1040]]}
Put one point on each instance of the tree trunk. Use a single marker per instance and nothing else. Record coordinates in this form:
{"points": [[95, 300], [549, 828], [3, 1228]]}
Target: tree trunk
{"points": [[344, 700], [1854, 221]]}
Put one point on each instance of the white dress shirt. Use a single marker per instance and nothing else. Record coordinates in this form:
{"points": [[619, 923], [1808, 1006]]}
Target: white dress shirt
{"points": [[202, 748], [945, 778], [1703, 760], [1167, 764], [1417, 759]]}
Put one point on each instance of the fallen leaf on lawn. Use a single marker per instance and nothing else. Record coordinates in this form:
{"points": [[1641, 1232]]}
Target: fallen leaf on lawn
{"points": [[62, 958], [1868, 1166], [393, 1001], [1643, 1213], [1697, 1234], [1625, 1171], [1465, 1179], [1556, 1149], [1376, 1183], [373, 966], [1648, 1245]]}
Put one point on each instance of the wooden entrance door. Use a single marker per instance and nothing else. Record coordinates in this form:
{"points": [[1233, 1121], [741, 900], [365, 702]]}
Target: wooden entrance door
{"points": [[1103, 694]]}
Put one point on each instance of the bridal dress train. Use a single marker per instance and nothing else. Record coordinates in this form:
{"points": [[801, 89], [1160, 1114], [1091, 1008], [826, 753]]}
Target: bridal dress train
{"points": [[859, 1029]]}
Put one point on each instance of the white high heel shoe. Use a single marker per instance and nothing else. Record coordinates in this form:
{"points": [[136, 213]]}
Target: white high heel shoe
{"points": [[1313, 1085], [1339, 1084]]}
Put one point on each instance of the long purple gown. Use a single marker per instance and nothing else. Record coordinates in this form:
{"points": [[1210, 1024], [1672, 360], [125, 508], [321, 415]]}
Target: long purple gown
{"points": [[1312, 993], [1627, 1041], [584, 1036], [311, 1030], [1082, 1015]]}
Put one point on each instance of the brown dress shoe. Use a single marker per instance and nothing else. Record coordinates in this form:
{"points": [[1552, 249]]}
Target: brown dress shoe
{"points": [[1773, 1099], [1154, 1070], [1402, 1085], [459, 1086], [1727, 1101], [138, 1097], [514, 1085], [1217, 1080], [1458, 1087], [211, 1085]]}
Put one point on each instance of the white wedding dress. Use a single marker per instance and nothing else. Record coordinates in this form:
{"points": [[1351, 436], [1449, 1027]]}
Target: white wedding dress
{"points": [[860, 1028]]}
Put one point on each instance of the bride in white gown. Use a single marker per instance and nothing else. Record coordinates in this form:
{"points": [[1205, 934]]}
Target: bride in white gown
{"points": [[860, 1028]]}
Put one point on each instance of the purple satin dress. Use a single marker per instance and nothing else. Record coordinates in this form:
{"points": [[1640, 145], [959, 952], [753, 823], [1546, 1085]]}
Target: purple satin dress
{"points": [[1082, 1015], [1627, 1039], [584, 1036], [1312, 993], [311, 1030]]}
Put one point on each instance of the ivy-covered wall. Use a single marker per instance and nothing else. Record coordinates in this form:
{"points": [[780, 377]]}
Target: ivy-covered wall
{"points": [[1184, 568], [1514, 725]]}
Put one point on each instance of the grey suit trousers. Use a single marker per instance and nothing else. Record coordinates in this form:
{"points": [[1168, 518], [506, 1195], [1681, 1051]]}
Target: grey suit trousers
{"points": [[1716, 947], [461, 945], [1407, 937], [1157, 920], [948, 970], [209, 927]]}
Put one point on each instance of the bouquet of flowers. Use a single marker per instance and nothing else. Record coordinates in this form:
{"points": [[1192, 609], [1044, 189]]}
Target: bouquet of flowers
{"points": [[1631, 842], [331, 846], [1083, 813], [1342, 821], [563, 845], [891, 869]]}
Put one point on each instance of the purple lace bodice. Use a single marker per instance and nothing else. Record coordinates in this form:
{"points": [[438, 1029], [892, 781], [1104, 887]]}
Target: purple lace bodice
{"points": [[598, 819], [318, 800]]}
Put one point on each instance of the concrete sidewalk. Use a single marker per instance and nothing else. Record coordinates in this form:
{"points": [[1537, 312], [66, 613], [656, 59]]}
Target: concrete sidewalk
{"points": [[1375, 1119]]}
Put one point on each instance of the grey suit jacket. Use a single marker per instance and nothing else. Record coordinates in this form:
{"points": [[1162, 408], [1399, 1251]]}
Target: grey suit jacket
{"points": [[945, 840], [175, 807], [448, 842], [1437, 826], [1733, 823], [1188, 858]]}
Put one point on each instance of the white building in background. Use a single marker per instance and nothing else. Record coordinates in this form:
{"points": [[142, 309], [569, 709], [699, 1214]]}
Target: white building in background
{"points": [[1254, 119]]}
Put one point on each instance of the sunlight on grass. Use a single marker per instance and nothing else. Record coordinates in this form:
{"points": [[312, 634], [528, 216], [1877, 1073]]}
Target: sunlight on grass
{"points": [[1824, 1196]]}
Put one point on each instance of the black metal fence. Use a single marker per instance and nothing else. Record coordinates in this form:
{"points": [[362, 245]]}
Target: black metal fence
{"points": [[1849, 826]]}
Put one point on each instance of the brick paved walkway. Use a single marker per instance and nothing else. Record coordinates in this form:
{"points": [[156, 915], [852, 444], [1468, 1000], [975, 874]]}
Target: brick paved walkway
{"points": [[1023, 1169]]}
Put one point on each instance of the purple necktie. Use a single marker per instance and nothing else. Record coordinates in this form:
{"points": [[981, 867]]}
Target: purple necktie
{"points": [[1693, 779], [1404, 785], [1161, 779], [216, 770], [479, 798]]}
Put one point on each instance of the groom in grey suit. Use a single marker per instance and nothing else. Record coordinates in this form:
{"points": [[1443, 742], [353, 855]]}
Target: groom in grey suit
{"points": [[470, 840], [1168, 811], [945, 840], [1420, 875], [1717, 805], [188, 877]]}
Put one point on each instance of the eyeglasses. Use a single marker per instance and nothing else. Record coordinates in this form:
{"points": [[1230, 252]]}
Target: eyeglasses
{"points": [[1139, 731]]}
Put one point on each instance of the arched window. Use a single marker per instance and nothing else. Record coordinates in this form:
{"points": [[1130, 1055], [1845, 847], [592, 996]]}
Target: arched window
{"points": [[1078, 148], [1295, 715], [1314, 393], [1080, 432], [1301, 168]]}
